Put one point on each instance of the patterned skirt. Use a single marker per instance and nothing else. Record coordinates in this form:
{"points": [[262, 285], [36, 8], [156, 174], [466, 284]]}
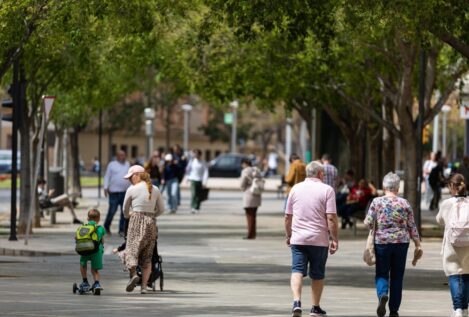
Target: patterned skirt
{"points": [[141, 239]]}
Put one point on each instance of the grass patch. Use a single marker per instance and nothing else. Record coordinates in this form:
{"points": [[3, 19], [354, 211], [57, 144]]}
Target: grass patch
{"points": [[86, 181]]}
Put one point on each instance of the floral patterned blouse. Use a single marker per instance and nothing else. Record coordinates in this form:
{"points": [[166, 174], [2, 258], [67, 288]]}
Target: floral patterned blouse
{"points": [[395, 220]]}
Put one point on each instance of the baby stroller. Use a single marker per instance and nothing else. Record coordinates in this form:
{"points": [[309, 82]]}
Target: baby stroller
{"points": [[156, 264], [156, 270]]}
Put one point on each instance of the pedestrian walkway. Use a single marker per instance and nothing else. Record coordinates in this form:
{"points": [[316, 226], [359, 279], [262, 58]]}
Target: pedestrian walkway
{"points": [[209, 270]]}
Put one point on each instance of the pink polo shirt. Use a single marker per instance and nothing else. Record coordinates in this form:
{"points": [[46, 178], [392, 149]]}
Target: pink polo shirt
{"points": [[309, 202]]}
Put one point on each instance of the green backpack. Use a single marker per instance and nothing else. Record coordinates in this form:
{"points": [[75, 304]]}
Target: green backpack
{"points": [[86, 240]]}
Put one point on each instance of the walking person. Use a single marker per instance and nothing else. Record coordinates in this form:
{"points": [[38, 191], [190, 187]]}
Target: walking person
{"points": [[170, 182], [456, 258], [311, 229], [251, 198], [437, 181], [393, 220], [153, 167], [142, 204], [428, 165], [197, 172], [114, 187]]}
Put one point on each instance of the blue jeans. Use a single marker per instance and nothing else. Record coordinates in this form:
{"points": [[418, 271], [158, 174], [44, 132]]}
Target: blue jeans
{"points": [[171, 187], [115, 200], [459, 286], [390, 267]]}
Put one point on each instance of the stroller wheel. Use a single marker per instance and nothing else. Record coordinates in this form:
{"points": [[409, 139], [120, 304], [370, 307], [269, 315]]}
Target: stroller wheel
{"points": [[75, 288]]}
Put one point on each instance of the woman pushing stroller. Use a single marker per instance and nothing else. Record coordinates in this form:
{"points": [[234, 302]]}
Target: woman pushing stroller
{"points": [[146, 203]]}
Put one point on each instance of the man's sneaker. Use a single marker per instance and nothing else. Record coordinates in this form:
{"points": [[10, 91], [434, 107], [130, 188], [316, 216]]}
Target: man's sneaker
{"points": [[394, 314], [96, 285], [296, 310], [317, 311], [457, 313], [132, 282], [144, 291], [381, 310]]}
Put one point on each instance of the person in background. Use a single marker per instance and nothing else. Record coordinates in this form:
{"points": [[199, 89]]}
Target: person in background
{"points": [[251, 201], [272, 163], [357, 199], [331, 176], [394, 224], [115, 187], [437, 181], [296, 173], [95, 166], [344, 187], [153, 168], [429, 164], [170, 182], [181, 161], [46, 201], [197, 174]]}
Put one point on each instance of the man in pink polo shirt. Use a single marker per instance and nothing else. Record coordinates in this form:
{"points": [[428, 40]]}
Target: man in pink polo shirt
{"points": [[311, 231]]}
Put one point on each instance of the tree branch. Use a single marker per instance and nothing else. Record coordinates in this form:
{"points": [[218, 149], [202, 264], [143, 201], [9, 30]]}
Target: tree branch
{"points": [[387, 124], [454, 42]]}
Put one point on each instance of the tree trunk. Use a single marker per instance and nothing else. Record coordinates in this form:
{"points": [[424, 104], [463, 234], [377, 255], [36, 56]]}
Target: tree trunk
{"points": [[58, 147], [410, 168], [389, 162], [75, 154], [374, 158], [25, 146]]}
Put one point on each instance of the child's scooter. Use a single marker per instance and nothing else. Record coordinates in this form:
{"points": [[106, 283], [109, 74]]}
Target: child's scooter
{"points": [[83, 290]]}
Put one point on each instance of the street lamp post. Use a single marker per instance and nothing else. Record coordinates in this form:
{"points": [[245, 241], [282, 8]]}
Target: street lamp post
{"points": [[445, 109], [187, 109], [149, 117], [234, 105]]}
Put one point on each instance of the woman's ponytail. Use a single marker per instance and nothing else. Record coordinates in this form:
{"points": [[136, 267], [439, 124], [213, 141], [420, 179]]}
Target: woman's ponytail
{"points": [[146, 178]]}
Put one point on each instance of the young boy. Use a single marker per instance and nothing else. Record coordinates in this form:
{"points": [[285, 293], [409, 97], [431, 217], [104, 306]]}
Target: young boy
{"points": [[95, 258]]}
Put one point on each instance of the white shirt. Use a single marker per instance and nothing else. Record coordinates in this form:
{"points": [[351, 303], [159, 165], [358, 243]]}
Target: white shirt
{"points": [[427, 168], [272, 160], [197, 171], [114, 180], [136, 198]]}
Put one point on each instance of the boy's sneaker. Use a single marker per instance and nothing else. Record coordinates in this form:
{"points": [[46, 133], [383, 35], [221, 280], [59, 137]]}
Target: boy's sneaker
{"points": [[296, 310], [132, 282], [394, 314], [381, 310], [96, 285], [457, 313], [317, 311], [85, 286]]}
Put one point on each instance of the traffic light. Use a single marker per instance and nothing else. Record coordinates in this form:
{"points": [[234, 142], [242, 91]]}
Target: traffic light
{"points": [[425, 134]]}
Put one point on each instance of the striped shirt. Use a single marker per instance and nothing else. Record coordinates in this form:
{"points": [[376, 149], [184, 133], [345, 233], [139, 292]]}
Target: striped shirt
{"points": [[330, 175]]}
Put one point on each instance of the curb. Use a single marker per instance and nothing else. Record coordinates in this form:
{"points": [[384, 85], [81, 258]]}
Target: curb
{"points": [[14, 252]]}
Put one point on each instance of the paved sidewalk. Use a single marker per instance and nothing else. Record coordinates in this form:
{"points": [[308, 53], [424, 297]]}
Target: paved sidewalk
{"points": [[209, 270]]}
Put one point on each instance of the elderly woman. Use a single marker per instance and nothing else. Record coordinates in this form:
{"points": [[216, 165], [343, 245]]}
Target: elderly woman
{"points": [[393, 220], [251, 200], [455, 258], [145, 202]]}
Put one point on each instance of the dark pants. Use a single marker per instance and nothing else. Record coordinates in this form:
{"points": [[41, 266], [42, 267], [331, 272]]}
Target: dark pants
{"points": [[434, 204], [115, 200], [251, 214], [196, 194], [459, 286], [390, 267]]}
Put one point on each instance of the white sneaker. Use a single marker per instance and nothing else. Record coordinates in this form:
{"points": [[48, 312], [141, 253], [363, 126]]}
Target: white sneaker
{"points": [[457, 313], [465, 313]]}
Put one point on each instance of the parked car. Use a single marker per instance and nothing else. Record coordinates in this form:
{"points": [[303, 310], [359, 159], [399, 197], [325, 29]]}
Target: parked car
{"points": [[226, 165], [5, 161]]}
